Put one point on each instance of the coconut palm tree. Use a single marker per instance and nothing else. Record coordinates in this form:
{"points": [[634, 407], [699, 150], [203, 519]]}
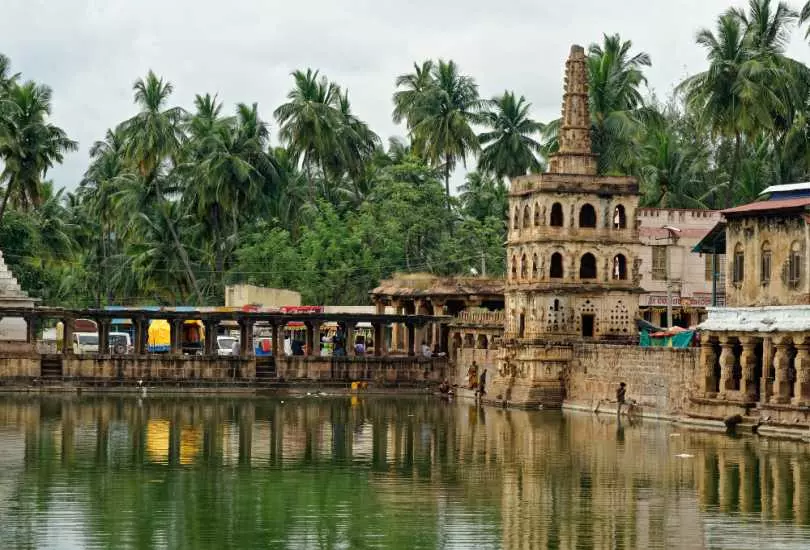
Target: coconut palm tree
{"points": [[481, 196], [733, 96], [411, 91], [29, 144], [445, 116], [154, 138], [614, 78], [509, 148], [308, 121]]}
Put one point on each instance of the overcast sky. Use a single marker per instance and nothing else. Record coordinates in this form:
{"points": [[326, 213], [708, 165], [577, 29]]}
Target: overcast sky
{"points": [[91, 51]]}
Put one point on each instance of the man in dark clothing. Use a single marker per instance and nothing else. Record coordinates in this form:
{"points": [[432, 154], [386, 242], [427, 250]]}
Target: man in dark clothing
{"points": [[621, 391], [482, 382]]}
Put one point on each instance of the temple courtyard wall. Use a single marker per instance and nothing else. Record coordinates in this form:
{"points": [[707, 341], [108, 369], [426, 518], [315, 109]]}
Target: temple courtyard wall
{"points": [[659, 380], [26, 367]]}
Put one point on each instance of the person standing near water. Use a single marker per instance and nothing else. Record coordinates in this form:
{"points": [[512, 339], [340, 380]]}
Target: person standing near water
{"points": [[621, 392], [482, 382]]}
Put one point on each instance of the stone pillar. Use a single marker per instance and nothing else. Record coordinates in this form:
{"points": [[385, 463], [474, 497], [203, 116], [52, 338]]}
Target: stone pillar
{"points": [[141, 335], [707, 359], [210, 336], [30, 329], [176, 328], [67, 337], [246, 337], [765, 389], [350, 338], [379, 340], [748, 362], [801, 390], [411, 329], [781, 361], [396, 330], [311, 343], [380, 307], [103, 336], [275, 330], [726, 365]]}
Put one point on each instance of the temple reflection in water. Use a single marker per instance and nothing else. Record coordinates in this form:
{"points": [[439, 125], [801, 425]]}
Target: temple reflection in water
{"points": [[220, 471]]}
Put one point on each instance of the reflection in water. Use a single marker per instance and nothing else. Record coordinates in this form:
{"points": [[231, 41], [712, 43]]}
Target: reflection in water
{"points": [[382, 473]]}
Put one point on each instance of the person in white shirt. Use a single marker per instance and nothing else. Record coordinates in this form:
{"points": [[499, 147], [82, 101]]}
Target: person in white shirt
{"points": [[425, 350]]}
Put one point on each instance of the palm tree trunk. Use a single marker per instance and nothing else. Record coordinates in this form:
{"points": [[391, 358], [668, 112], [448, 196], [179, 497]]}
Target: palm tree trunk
{"points": [[735, 166], [180, 248], [447, 178], [5, 201]]}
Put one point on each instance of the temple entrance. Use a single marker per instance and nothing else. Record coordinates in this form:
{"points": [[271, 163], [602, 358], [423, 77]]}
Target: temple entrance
{"points": [[587, 325]]}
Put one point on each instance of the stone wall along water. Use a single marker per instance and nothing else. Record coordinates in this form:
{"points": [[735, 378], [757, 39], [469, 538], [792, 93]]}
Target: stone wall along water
{"points": [[660, 380]]}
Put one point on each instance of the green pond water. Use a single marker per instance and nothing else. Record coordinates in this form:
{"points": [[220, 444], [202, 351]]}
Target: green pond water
{"points": [[340, 472]]}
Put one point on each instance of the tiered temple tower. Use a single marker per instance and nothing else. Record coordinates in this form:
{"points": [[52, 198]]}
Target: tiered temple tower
{"points": [[11, 295], [572, 255]]}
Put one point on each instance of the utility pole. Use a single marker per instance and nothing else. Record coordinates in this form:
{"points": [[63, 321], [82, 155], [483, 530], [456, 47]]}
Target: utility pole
{"points": [[483, 264]]}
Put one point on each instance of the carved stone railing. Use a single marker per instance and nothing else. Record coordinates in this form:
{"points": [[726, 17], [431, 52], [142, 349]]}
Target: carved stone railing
{"points": [[481, 318]]}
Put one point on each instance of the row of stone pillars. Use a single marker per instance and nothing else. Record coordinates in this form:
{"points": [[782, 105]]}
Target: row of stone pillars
{"points": [[313, 336], [771, 369], [407, 337]]}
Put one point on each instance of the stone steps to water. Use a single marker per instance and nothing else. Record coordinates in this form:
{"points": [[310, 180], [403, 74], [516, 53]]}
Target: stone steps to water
{"points": [[51, 366]]}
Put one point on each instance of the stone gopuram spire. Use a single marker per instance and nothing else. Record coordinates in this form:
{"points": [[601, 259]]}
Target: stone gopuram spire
{"points": [[575, 156]]}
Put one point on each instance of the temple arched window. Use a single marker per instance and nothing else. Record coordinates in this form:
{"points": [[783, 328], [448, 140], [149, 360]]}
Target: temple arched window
{"points": [[524, 267], [738, 264], [587, 266], [534, 266], [619, 217], [587, 216], [537, 220], [527, 217], [765, 264], [556, 219], [556, 268], [514, 268], [619, 267], [795, 264], [516, 220]]}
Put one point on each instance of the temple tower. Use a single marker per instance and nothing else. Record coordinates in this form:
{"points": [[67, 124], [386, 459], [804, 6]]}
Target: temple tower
{"points": [[572, 253]]}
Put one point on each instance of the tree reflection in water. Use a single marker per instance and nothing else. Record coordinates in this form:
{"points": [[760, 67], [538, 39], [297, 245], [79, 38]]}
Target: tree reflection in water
{"points": [[382, 472]]}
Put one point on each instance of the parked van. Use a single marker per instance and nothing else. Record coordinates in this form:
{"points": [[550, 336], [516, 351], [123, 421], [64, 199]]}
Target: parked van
{"points": [[85, 342], [225, 345], [120, 343]]}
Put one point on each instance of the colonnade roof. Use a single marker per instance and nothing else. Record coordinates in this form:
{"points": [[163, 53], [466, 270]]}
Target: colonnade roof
{"points": [[216, 316], [445, 288]]}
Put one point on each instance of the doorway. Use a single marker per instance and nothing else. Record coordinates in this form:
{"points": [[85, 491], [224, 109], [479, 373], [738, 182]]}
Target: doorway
{"points": [[587, 325]]}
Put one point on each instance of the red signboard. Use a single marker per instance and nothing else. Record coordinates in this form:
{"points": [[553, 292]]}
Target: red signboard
{"points": [[302, 309]]}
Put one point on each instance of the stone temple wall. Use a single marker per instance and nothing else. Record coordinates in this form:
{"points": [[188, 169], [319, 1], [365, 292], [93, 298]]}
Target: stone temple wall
{"points": [[660, 380]]}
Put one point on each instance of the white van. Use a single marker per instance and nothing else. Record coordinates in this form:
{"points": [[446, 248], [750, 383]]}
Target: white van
{"points": [[85, 342], [225, 345]]}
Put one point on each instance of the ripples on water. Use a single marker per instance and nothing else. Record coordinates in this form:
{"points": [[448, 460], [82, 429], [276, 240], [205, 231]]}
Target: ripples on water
{"points": [[402, 472]]}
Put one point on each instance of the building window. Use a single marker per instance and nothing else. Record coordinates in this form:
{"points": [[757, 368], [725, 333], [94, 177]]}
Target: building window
{"points": [[516, 220], [620, 267], [795, 265], [524, 267], [537, 220], [514, 268], [738, 267], [556, 215], [527, 217], [619, 218], [765, 264], [534, 266], [556, 268], [587, 216], [587, 266], [659, 263]]}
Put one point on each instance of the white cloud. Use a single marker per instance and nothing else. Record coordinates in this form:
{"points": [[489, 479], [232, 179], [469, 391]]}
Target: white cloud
{"points": [[91, 51]]}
